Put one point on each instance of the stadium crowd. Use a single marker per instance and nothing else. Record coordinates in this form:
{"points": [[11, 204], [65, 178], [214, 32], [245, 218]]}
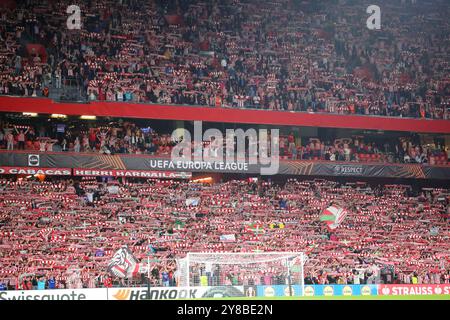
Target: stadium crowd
{"points": [[120, 137], [275, 55], [62, 234]]}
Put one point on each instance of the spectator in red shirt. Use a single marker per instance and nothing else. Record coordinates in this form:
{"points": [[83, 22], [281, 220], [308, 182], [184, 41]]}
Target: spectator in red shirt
{"points": [[107, 282]]}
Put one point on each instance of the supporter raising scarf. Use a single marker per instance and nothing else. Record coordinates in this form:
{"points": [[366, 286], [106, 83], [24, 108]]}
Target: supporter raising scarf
{"points": [[333, 216], [46, 233]]}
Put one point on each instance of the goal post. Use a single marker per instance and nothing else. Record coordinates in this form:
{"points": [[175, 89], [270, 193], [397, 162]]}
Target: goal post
{"points": [[242, 269]]}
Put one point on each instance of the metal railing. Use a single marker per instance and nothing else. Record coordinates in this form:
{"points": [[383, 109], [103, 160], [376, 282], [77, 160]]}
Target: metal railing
{"points": [[69, 89]]}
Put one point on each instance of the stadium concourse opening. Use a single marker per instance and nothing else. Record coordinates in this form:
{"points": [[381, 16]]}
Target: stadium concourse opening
{"points": [[108, 135], [97, 201]]}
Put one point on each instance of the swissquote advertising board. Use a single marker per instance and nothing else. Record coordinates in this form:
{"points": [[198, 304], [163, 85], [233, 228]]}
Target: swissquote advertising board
{"points": [[59, 294]]}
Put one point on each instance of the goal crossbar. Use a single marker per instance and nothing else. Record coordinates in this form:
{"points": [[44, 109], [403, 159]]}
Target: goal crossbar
{"points": [[221, 257]]}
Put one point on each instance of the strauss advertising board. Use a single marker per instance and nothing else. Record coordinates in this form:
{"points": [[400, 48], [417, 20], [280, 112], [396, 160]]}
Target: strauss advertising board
{"points": [[413, 289]]}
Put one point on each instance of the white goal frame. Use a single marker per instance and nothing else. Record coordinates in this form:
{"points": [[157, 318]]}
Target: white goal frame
{"points": [[223, 258]]}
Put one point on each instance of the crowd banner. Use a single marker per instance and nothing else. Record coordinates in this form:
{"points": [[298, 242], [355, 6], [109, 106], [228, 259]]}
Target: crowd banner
{"points": [[35, 170], [56, 294], [147, 165], [413, 289], [132, 173]]}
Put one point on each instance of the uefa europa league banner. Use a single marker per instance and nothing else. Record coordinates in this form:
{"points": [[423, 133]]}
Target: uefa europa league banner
{"points": [[85, 164]]}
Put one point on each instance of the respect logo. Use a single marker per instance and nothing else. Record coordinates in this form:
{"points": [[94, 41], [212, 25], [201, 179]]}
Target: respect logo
{"points": [[348, 169]]}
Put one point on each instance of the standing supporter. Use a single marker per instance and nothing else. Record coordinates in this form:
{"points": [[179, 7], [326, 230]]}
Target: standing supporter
{"points": [[92, 282], [77, 145], [51, 283], [92, 139], [42, 145], [107, 282], [41, 283], [291, 141], [21, 138], [165, 278], [9, 141], [27, 284], [34, 283]]}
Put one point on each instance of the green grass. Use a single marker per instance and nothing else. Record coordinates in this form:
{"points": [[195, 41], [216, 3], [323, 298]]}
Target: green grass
{"points": [[410, 297]]}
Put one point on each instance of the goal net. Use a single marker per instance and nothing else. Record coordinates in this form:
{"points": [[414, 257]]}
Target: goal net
{"points": [[242, 269]]}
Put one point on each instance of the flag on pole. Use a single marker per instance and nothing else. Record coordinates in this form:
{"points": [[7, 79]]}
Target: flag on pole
{"points": [[333, 216]]}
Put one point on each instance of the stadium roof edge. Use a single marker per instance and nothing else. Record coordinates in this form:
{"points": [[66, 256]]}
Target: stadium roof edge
{"points": [[228, 115]]}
